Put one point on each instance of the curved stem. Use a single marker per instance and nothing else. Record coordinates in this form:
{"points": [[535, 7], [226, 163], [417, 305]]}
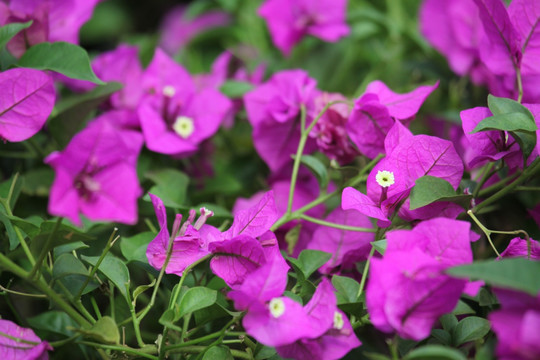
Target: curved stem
{"points": [[486, 231], [297, 159], [336, 226]]}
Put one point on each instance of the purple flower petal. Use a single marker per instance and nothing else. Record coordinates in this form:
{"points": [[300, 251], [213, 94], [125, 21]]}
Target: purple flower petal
{"points": [[255, 220], [11, 349], [27, 100]]}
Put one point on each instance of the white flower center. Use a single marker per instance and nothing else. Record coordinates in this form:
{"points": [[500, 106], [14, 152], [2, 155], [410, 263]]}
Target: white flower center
{"points": [[385, 178], [169, 90], [338, 321], [277, 307], [183, 126]]}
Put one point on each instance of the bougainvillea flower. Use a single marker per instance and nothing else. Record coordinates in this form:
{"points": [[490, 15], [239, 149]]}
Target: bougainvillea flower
{"points": [[25, 104], [516, 325], [408, 289], [376, 112], [96, 175], [340, 242], [189, 244], [53, 20], [247, 244], [272, 319], [178, 28], [455, 30], [330, 132], [491, 145], [519, 247], [11, 349], [336, 337], [273, 110], [174, 117], [290, 21]]}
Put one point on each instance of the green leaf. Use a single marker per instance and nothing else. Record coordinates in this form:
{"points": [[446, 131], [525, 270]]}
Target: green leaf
{"points": [[171, 187], [526, 141], [429, 189], [134, 248], [10, 190], [114, 269], [68, 248], [435, 352], [64, 235], [502, 105], [380, 245], [54, 321], [70, 114], [68, 59], [470, 329], [104, 331], [218, 352], [347, 289], [442, 335], [448, 322], [71, 272], [506, 122], [265, 352], [291, 238], [462, 309], [317, 168], [235, 89], [519, 274], [197, 298], [140, 289], [7, 32], [37, 182], [310, 260]]}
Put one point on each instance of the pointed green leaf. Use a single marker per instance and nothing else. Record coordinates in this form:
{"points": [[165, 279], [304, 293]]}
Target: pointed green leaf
{"points": [[68, 59], [429, 189], [170, 186], [104, 331], [7, 32], [71, 272], [140, 289], [134, 248], [519, 274], [470, 329], [114, 269], [347, 289], [55, 321], [435, 352], [310, 260], [218, 352], [197, 298], [317, 168], [380, 245]]}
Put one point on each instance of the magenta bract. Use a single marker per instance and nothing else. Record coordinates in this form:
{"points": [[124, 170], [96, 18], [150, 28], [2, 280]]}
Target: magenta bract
{"points": [[14, 350], [96, 175], [26, 101], [289, 21]]}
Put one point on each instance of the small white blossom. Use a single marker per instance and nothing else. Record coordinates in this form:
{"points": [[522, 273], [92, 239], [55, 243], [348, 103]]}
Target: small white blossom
{"points": [[277, 307], [184, 126], [385, 178]]}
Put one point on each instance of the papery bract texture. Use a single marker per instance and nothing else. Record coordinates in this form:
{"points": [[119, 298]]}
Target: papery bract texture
{"points": [[519, 247], [26, 101], [290, 21], [340, 242], [515, 325], [14, 350], [96, 175]]}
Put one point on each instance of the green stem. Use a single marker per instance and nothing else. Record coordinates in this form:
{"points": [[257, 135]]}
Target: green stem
{"points": [[498, 185], [324, 197], [35, 272], [200, 349], [109, 245], [365, 272], [531, 170], [9, 265], [334, 225], [485, 176], [297, 159], [519, 84], [145, 352], [486, 231]]}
